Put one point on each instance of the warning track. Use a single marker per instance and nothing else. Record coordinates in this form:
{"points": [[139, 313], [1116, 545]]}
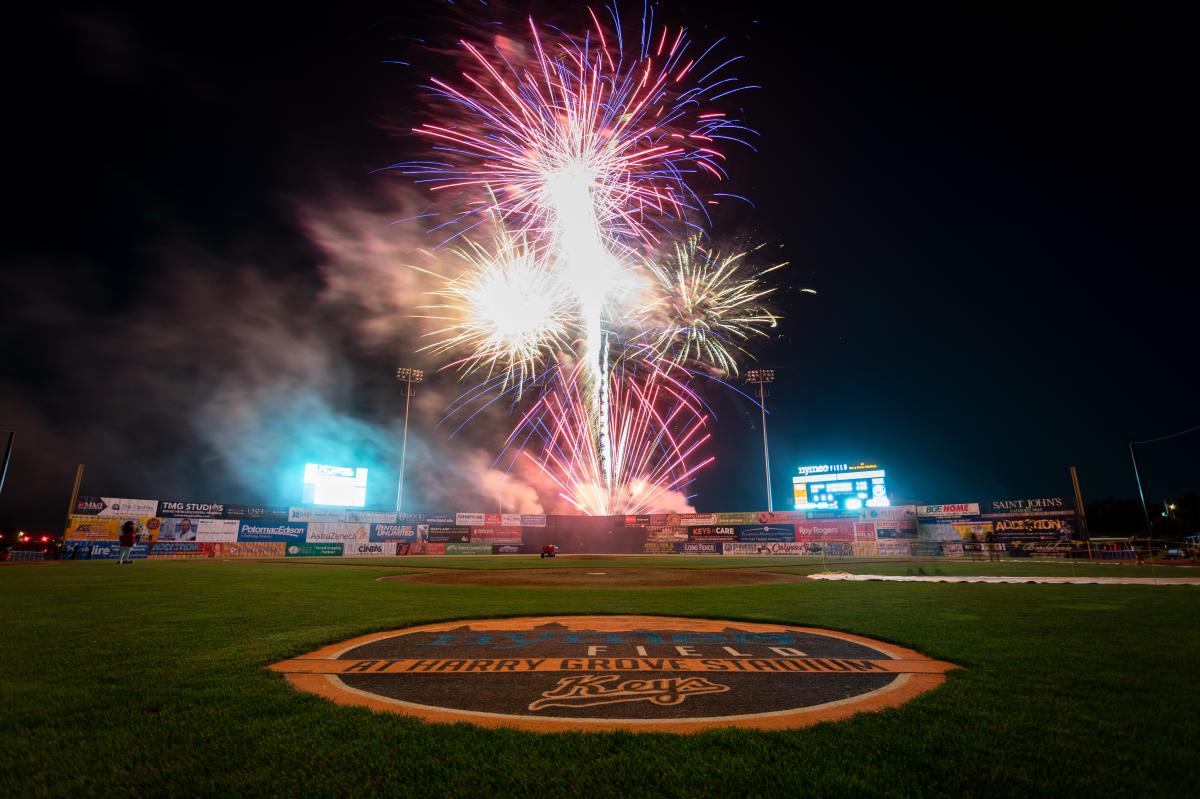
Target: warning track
{"points": [[608, 578]]}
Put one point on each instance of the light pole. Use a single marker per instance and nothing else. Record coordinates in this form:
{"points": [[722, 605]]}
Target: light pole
{"points": [[408, 377], [761, 377]]}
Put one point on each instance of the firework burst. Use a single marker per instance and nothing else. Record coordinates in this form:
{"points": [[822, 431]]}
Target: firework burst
{"points": [[583, 151]]}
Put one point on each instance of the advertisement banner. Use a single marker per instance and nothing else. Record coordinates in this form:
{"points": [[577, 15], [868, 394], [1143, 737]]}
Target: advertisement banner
{"points": [[866, 549], [740, 517], [510, 520], [308, 514], [825, 530], [370, 516], [958, 509], [507, 549], [698, 548], [637, 520], [394, 532], [282, 532], [490, 520], [94, 528], [322, 550], [369, 549], [697, 519], [894, 513], [456, 535], [712, 533], [893, 549], [469, 549], [180, 550], [772, 548], [864, 531], [972, 531], [116, 506], [255, 549], [754, 533], [778, 516], [332, 531], [493, 534], [177, 529], [1027, 507], [217, 530], [533, 520], [658, 547], [440, 518], [104, 550], [896, 528], [420, 548], [91, 527], [194, 510], [256, 513], [833, 514], [1046, 528], [409, 518], [470, 519]]}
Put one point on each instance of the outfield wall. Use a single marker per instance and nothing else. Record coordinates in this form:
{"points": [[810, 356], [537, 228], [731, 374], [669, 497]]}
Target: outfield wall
{"points": [[188, 530]]}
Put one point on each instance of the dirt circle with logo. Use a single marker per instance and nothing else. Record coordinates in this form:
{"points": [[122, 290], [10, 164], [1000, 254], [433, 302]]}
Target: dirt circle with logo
{"points": [[644, 673]]}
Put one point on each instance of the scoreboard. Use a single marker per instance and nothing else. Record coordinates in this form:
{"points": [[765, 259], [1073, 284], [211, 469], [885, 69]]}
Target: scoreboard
{"points": [[840, 486]]}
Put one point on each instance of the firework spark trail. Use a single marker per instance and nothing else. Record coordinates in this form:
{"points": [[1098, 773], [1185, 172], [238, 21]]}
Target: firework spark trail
{"points": [[581, 151], [657, 425]]}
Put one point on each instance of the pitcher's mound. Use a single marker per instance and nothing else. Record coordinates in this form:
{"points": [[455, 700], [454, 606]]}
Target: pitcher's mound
{"points": [[596, 578]]}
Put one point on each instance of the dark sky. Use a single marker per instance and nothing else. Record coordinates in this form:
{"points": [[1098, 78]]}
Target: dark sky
{"points": [[996, 208]]}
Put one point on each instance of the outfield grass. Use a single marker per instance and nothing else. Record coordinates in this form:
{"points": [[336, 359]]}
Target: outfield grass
{"points": [[151, 680]]}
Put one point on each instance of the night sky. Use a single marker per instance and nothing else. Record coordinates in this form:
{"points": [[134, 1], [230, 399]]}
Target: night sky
{"points": [[998, 211]]}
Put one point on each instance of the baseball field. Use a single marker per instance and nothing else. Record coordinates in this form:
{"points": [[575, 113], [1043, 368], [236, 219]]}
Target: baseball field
{"points": [[153, 679]]}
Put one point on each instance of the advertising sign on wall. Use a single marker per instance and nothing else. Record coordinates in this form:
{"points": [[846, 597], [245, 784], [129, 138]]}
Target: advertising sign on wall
{"points": [[825, 530], [712, 533], [740, 517], [778, 516], [956, 509], [217, 529], [331, 531], [91, 527], [420, 548], [307, 514], [1043, 528], [440, 518], [393, 532], [533, 520], [772, 548], [255, 549], [494, 534], [697, 519], [321, 550], [116, 506], [177, 529], [469, 519], [1028, 506], [766, 532], [195, 510], [370, 516], [506, 549], [471, 548], [256, 512], [456, 535], [698, 548], [283, 532], [369, 549]]}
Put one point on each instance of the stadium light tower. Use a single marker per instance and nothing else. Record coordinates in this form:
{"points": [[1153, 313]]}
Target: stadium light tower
{"points": [[761, 377], [408, 377]]}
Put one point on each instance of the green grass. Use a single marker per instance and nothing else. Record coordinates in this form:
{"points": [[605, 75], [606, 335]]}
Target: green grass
{"points": [[151, 681]]}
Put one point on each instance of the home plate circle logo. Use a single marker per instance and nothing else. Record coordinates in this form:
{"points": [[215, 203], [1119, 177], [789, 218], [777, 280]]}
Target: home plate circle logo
{"points": [[648, 673]]}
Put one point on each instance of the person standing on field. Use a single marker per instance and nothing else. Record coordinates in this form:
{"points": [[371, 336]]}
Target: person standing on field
{"points": [[127, 540]]}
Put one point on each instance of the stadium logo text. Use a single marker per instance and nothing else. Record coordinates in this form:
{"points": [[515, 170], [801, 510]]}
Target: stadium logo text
{"points": [[616, 672]]}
